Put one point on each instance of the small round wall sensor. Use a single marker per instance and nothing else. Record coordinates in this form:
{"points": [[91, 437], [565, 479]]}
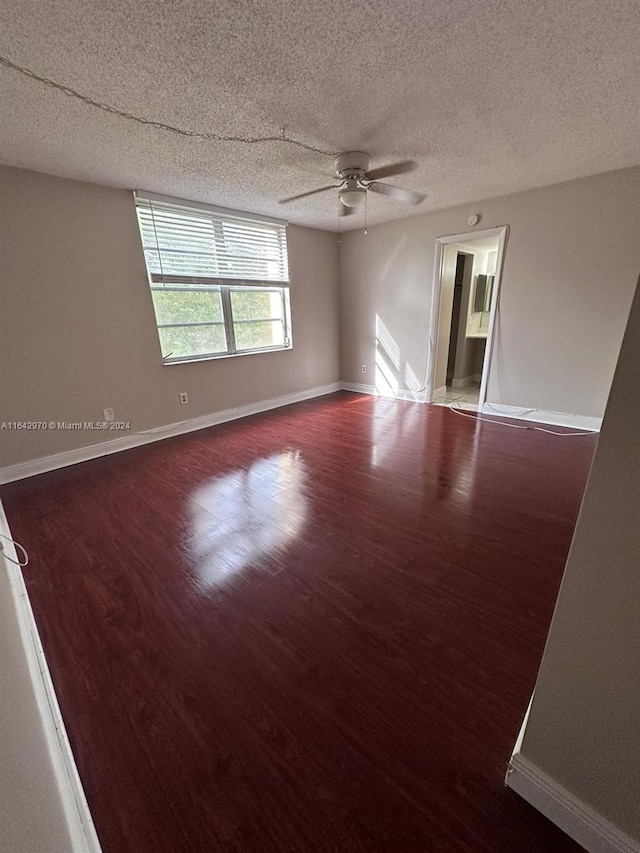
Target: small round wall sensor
{"points": [[473, 219]]}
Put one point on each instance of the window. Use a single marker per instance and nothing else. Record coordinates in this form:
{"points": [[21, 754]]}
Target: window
{"points": [[219, 281]]}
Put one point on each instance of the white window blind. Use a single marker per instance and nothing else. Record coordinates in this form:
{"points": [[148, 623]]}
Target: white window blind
{"points": [[219, 281]]}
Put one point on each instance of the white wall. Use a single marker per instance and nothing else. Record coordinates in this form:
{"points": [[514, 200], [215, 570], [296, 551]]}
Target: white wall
{"points": [[583, 728], [78, 330], [570, 266], [32, 809]]}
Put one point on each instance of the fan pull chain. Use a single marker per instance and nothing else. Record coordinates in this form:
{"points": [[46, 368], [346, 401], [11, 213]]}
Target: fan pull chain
{"points": [[365, 214]]}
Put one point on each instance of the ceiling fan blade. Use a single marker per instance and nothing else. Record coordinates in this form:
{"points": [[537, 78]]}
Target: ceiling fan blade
{"points": [[393, 169], [396, 193], [311, 192]]}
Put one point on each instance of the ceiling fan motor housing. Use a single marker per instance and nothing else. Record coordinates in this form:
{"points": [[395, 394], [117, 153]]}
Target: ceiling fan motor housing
{"points": [[355, 180], [353, 164]]}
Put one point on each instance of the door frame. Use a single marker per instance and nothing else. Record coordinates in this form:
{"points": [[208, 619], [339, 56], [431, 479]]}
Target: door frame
{"points": [[502, 233]]}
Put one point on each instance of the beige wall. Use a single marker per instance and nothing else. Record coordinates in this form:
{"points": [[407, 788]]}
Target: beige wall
{"points": [[77, 327], [583, 724], [571, 261]]}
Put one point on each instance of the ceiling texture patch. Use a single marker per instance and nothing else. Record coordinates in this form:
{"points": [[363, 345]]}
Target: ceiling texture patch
{"points": [[243, 103]]}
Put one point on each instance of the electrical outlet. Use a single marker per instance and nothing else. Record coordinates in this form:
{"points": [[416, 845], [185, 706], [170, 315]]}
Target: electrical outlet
{"points": [[108, 415], [184, 399], [364, 368]]}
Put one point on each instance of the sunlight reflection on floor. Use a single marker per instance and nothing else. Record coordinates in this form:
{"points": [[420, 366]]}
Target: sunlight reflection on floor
{"points": [[241, 518]]}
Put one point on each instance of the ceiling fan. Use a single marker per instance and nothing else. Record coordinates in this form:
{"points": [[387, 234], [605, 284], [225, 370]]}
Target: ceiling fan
{"points": [[355, 180]]}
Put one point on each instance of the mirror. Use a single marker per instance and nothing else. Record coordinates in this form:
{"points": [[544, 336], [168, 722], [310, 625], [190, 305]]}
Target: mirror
{"points": [[482, 296]]}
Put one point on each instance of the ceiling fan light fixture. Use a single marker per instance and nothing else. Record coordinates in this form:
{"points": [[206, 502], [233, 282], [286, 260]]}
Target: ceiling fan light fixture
{"points": [[356, 180], [353, 197]]}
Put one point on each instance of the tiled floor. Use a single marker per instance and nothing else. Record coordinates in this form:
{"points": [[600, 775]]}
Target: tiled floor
{"points": [[466, 398]]}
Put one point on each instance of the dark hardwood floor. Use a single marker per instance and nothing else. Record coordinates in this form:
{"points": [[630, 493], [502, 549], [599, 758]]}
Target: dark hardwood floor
{"points": [[315, 629]]}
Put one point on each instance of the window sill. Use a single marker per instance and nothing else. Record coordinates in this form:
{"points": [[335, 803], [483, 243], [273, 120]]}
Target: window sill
{"points": [[193, 359]]}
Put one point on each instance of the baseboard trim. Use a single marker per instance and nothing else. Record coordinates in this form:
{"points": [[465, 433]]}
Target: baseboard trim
{"points": [[74, 804], [400, 394], [93, 451], [581, 422], [565, 419], [572, 815], [105, 448]]}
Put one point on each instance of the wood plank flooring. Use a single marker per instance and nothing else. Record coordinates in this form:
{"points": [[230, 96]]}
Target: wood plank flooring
{"points": [[315, 629]]}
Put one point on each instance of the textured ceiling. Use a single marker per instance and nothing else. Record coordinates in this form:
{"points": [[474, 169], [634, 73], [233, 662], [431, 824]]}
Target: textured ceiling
{"points": [[487, 96]]}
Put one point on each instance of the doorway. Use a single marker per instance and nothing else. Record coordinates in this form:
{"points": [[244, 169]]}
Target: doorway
{"points": [[466, 282]]}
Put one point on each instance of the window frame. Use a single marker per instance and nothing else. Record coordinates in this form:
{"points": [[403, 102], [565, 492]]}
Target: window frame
{"points": [[224, 285], [227, 322], [227, 304]]}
